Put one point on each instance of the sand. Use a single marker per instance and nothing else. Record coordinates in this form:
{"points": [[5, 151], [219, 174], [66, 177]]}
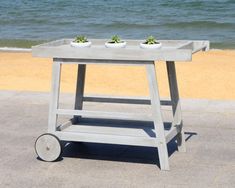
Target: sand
{"points": [[211, 75]]}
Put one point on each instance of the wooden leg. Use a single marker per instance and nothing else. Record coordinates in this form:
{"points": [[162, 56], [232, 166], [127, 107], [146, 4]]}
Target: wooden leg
{"points": [[79, 90], [176, 108], [157, 117], [54, 99]]}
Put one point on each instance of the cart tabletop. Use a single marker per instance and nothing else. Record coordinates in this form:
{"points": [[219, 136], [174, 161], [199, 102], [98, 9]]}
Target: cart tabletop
{"points": [[171, 50]]}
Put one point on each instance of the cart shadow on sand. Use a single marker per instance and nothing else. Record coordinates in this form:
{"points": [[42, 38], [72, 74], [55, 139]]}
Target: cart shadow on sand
{"points": [[120, 153]]}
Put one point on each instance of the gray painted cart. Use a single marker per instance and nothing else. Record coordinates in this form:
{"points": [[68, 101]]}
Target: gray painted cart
{"points": [[48, 145]]}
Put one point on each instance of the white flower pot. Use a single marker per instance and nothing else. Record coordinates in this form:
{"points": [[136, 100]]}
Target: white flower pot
{"points": [[80, 44], [115, 45], [151, 46]]}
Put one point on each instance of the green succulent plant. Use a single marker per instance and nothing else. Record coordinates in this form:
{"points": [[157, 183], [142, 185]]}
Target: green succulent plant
{"points": [[81, 39], [115, 39], [151, 40]]}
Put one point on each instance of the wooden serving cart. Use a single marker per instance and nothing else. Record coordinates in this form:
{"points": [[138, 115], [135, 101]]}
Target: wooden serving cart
{"points": [[48, 146]]}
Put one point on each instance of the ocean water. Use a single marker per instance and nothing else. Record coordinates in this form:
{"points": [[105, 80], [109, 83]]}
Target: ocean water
{"points": [[27, 22]]}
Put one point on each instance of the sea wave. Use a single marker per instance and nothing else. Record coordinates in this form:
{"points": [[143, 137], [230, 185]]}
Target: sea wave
{"points": [[19, 43], [200, 24], [123, 25], [135, 19]]}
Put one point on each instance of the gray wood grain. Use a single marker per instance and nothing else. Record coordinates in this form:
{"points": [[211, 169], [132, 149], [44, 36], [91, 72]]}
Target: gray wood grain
{"points": [[170, 51], [107, 115], [81, 73], [157, 116], [54, 98], [106, 138], [176, 108], [124, 100]]}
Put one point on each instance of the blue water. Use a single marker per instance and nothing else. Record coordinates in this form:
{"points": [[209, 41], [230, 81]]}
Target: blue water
{"points": [[33, 21]]}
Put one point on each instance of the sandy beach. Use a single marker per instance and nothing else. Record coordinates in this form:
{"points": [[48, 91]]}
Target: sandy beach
{"points": [[209, 76]]}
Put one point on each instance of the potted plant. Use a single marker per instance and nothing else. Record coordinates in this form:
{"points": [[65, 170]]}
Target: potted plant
{"points": [[115, 42], [80, 42], [151, 43]]}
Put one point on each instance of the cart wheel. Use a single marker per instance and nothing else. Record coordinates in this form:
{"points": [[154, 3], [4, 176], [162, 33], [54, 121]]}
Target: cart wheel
{"points": [[48, 147]]}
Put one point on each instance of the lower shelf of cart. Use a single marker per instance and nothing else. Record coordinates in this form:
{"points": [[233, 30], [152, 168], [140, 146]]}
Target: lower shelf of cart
{"points": [[128, 134]]}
